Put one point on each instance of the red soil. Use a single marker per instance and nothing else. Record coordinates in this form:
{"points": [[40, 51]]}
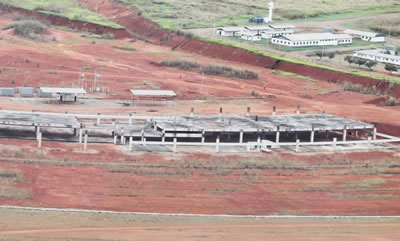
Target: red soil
{"points": [[314, 192]]}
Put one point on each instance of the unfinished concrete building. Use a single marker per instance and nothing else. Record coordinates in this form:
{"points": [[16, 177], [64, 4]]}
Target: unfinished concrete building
{"points": [[297, 132]]}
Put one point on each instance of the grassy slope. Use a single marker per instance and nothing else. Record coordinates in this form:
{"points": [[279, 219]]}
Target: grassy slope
{"points": [[297, 61], [65, 8], [173, 14]]}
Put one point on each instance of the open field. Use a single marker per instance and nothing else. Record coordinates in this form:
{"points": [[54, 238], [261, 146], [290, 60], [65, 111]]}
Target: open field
{"points": [[177, 14], [70, 9], [51, 225]]}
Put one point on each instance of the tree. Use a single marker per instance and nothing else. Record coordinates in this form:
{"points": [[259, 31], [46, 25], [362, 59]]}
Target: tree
{"points": [[349, 59], [320, 54], [370, 64], [360, 62], [391, 68]]}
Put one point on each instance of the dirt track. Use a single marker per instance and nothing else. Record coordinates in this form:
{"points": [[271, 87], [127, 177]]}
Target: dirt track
{"points": [[28, 225]]}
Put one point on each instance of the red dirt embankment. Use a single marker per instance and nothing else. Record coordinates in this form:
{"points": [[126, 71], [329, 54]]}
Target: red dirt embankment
{"points": [[73, 24], [152, 32]]}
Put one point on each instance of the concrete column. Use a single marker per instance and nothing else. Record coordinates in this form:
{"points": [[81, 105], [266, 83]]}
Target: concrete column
{"points": [[174, 149], [85, 144], [374, 134], [298, 145], [37, 131], [203, 136], [241, 137], [98, 119], [130, 119], [192, 111], [144, 141], [259, 143], [115, 139], [130, 143], [274, 110], [369, 142], [39, 138], [220, 111], [312, 135], [248, 111], [80, 135], [345, 133], [277, 136], [122, 140], [334, 143], [217, 144], [163, 136], [356, 134], [298, 110], [113, 122], [155, 125], [142, 135]]}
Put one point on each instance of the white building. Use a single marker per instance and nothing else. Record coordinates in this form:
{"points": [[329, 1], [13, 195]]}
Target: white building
{"points": [[378, 55], [366, 36], [230, 31], [312, 39], [250, 36], [62, 94], [270, 31]]}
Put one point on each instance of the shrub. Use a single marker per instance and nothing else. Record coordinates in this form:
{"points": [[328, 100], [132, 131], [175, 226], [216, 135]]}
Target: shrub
{"points": [[28, 28], [181, 64], [108, 36], [348, 86], [391, 101], [228, 72]]}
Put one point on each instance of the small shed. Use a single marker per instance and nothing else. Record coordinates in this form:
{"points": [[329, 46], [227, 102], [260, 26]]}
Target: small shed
{"points": [[61, 94], [7, 92], [26, 91], [230, 31], [249, 36], [153, 95]]}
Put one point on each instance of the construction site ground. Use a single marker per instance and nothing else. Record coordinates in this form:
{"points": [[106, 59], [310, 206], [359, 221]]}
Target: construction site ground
{"points": [[109, 177]]}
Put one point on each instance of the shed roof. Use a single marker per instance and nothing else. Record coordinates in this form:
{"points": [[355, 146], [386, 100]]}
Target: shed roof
{"points": [[231, 29], [363, 33], [153, 93], [277, 26], [258, 28], [315, 36], [63, 90]]}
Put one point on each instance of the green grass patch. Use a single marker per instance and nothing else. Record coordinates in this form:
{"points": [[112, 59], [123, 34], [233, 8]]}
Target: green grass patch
{"points": [[178, 14], [69, 9]]}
